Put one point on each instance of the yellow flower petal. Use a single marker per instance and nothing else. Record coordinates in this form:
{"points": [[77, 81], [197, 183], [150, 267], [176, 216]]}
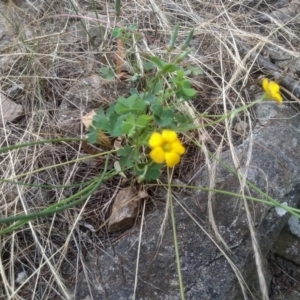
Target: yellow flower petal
{"points": [[169, 136], [273, 87], [156, 140], [278, 98], [178, 147], [272, 90], [172, 159], [265, 85], [158, 155]]}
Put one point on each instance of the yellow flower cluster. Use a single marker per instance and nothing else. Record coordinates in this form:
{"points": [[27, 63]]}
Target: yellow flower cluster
{"points": [[166, 147], [272, 90]]}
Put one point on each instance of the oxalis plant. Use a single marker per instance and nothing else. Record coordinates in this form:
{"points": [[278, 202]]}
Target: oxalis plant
{"points": [[150, 117]]}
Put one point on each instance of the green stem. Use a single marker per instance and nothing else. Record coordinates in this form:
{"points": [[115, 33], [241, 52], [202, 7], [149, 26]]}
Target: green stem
{"points": [[272, 202], [5, 149], [175, 237], [46, 186], [57, 207]]}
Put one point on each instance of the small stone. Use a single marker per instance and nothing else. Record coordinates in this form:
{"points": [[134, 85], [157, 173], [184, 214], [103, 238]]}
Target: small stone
{"points": [[281, 211], [294, 225], [21, 277], [288, 245], [9, 109], [241, 127], [124, 211]]}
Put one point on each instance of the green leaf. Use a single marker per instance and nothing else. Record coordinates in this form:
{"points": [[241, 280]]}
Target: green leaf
{"points": [[110, 110], [189, 92], [187, 40], [156, 86], [169, 68], [156, 61], [128, 126], [125, 151], [153, 172], [139, 105], [128, 156], [179, 75], [123, 106], [183, 119], [148, 65], [118, 168], [145, 136], [173, 38], [92, 136], [185, 91], [100, 112], [165, 118], [135, 77], [132, 27], [126, 162], [117, 32], [130, 104], [110, 122], [157, 109], [149, 98], [116, 122], [181, 56], [142, 121], [134, 91], [118, 8], [195, 70], [100, 121], [187, 72], [107, 73], [152, 175]]}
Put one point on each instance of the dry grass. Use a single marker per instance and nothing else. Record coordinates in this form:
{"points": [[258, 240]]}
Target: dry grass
{"points": [[43, 56]]}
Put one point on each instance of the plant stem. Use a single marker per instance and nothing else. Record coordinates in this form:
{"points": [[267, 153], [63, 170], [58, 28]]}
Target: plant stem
{"points": [[175, 237]]}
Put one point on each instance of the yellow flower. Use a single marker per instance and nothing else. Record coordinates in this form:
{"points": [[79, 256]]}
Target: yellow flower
{"points": [[272, 90], [166, 147]]}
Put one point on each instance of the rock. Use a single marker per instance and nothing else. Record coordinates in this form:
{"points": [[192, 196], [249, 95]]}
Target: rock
{"points": [[207, 274], [10, 111], [285, 278], [287, 14], [283, 59], [288, 244], [124, 210]]}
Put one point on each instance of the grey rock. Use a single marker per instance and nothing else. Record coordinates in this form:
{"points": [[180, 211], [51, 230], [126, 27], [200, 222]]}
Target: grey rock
{"points": [[274, 168], [288, 245], [286, 14], [9, 110], [284, 59]]}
